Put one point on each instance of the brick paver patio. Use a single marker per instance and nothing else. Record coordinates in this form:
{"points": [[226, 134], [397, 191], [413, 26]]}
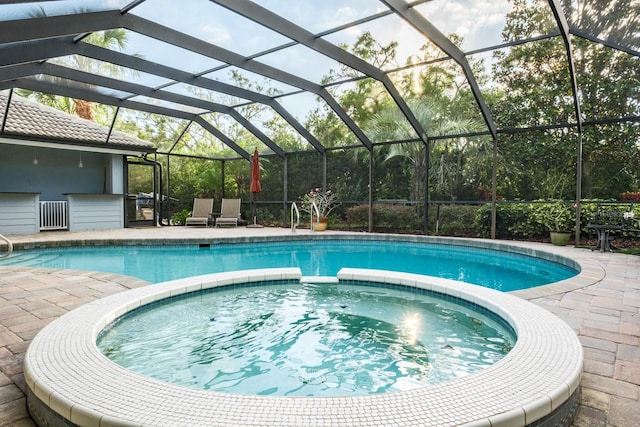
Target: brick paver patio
{"points": [[605, 315]]}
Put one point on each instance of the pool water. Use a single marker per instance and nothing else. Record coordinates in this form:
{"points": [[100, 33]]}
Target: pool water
{"points": [[494, 269], [307, 340]]}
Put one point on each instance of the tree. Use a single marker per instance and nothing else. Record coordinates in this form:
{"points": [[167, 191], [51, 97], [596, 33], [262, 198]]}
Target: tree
{"points": [[110, 39], [366, 96], [538, 93], [390, 125]]}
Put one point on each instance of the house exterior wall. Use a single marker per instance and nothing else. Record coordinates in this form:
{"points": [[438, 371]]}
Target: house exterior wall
{"points": [[19, 213], [56, 173], [56, 176], [114, 174]]}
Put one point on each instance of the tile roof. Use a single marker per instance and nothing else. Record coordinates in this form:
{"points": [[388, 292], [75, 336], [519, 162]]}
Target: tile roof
{"points": [[28, 118]]}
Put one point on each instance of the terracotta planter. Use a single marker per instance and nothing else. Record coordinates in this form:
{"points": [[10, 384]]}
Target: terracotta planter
{"points": [[560, 238]]}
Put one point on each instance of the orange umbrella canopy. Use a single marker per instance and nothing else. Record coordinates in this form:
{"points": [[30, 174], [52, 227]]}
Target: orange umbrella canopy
{"points": [[255, 173]]}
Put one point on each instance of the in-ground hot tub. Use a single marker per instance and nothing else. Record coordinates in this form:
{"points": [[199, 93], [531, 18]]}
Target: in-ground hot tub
{"points": [[70, 381], [309, 338]]}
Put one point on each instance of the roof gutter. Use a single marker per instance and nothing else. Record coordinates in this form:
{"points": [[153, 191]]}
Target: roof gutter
{"points": [[111, 149]]}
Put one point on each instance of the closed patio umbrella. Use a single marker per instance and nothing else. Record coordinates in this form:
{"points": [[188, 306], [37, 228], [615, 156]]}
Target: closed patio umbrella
{"points": [[255, 184], [255, 173]]}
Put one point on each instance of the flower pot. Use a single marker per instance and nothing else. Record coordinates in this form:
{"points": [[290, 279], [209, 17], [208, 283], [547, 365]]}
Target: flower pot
{"points": [[319, 226], [560, 238]]}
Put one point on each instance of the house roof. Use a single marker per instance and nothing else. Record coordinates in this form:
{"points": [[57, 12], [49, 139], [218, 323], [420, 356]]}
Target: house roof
{"points": [[26, 119]]}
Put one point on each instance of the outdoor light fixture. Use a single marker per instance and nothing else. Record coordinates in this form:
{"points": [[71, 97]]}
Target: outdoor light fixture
{"points": [[80, 165], [35, 158]]}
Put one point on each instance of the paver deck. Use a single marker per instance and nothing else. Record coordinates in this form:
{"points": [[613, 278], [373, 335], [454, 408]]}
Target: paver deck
{"points": [[605, 315]]}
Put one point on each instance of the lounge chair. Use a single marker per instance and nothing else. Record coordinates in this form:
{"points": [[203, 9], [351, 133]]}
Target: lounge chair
{"points": [[229, 212], [202, 212]]}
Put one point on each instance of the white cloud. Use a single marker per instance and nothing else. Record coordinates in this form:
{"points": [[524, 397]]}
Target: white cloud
{"points": [[216, 34], [479, 22]]}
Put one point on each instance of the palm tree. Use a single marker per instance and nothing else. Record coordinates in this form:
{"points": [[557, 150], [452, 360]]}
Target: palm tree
{"points": [[391, 125], [110, 39]]}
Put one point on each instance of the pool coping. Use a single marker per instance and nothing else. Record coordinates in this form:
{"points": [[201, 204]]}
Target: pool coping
{"points": [[68, 374]]}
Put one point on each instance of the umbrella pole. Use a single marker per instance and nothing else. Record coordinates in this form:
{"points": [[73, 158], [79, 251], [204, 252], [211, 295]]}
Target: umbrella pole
{"points": [[254, 209], [252, 201]]}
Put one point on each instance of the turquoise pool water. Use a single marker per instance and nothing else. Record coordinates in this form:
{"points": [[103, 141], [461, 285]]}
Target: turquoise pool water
{"points": [[307, 340], [494, 269]]}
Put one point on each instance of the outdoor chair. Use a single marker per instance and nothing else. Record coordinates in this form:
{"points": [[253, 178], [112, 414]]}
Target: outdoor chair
{"points": [[229, 212], [202, 212]]}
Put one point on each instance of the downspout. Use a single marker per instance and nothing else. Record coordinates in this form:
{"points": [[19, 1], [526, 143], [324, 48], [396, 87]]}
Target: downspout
{"points": [[157, 187], [184, 131], [125, 180]]}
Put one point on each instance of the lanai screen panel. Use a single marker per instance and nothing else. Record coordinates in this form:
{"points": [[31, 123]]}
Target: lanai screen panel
{"points": [[106, 69], [22, 10], [612, 22], [163, 136], [34, 82], [205, 94], [478, 24], [198, 141], [168, 104], [317, 117], [320, 16], [194, 57], [238, 133], [163, 53], [306, 63], [211, 23], [384, 32]]}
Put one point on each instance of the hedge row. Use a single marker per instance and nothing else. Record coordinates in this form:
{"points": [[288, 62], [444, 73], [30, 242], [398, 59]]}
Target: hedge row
{"points": [[531, 220]]}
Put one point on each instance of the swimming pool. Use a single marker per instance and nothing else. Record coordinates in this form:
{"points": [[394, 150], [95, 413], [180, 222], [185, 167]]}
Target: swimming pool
{"points": [[504, 271]]}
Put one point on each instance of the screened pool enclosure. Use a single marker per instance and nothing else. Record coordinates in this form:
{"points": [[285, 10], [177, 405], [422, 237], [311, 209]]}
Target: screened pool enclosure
{"points": [[383, 101]]}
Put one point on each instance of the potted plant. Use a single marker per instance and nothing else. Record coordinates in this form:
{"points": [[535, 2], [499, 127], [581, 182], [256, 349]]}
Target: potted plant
{"points": [[559, 219], [324, 201]]}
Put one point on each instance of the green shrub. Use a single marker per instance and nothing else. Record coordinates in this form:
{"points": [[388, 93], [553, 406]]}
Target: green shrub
{"points": [[395, 217], [180, 217], [526, 220], [357, 216], [388, 216], [454, 220], [512, 221], [554, 216]]}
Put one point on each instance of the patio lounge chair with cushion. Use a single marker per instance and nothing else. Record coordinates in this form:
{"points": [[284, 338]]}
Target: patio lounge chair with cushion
{"points": [[229, 212], [202, 212]]}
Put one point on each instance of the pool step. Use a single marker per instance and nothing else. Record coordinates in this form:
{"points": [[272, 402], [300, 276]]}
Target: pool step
{"points": [[319, 279]]}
